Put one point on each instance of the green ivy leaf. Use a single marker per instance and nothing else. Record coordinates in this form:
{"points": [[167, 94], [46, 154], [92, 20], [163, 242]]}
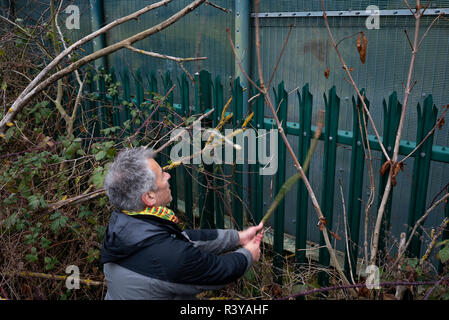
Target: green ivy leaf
{"points": [[97, 177], [413, 262], [58, 223], [93, 254], [100, 155], [33, 256], [50, 262], [84, 213], [444, 254], [45, 243], [34, 202]]}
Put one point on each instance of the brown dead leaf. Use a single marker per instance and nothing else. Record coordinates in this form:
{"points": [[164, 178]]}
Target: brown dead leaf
{"points": [[364, 292], [393, 181], [385, 167], [326, 73], [411, 273], [398, 166], [362, 44], [322, 223], [441, 123], [333, 234]]}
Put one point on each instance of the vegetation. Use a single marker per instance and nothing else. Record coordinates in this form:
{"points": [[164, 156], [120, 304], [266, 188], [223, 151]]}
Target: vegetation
{"points": [[54, 211]]}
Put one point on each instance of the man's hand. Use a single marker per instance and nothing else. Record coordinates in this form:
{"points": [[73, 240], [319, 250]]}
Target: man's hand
{"points": [[254, 246], [247, 235]]}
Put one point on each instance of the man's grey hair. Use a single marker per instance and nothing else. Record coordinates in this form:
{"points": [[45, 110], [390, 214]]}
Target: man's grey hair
{"points": [[129, 178]]}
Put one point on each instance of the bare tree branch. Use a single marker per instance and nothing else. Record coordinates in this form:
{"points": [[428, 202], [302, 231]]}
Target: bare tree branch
{"points": [[34, 88]]}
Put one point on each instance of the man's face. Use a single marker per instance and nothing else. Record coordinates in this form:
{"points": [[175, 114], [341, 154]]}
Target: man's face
{"points": [[162, 196]]}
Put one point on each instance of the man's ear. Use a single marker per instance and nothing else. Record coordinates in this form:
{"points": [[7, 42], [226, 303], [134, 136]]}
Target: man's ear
{"points": [[149, 199]]}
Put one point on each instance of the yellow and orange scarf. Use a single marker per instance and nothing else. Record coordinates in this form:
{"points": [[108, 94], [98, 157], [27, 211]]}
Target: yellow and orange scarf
{"points": [[160, 212]]}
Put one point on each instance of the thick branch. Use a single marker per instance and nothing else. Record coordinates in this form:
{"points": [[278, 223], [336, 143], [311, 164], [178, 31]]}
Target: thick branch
{"points": [[315, 204], [163, 56], [397, 142], [34, 87]]}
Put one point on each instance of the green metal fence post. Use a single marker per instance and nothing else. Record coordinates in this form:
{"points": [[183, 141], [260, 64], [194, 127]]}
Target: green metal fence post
{"points": [[219, 168], [392, 115], [426, 120], [168, 83], [237, 109], [445, 232], [116, 120], [278, 245], [126, 114], [355, 182], [305, 115], [139, 88], [187, 173], [330, 150], [259, 108], [206, 196], [102, 111], [93, 114], [97, 22], [152, 83]]}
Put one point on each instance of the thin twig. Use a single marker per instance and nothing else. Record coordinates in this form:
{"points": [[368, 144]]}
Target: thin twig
{"points": [[35, 87], [163, 56], [237, 58], [347, 37], [159, 103], [217, 6], [420, 220], [26, 274], [427, 136], [346, 230], [428, 29], [408, 39], [345, 67], [280, 55], [179, 134], [362, 285], [411, 10]]}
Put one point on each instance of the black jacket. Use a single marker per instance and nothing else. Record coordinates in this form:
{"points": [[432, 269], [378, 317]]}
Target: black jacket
{"points": [[158, 249]]}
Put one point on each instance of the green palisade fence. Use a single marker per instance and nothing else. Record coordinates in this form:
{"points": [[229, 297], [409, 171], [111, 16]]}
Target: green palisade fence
{"points": [[187, 171], [392, 113], [259, 107], [279, 215], [212, 190], [206, 194], [237, 199], [332, 103], [305, 135], [426, 120], [356, 182]]}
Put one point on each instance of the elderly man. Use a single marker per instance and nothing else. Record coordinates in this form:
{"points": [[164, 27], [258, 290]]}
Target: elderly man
{"points": [[145, 253]]}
